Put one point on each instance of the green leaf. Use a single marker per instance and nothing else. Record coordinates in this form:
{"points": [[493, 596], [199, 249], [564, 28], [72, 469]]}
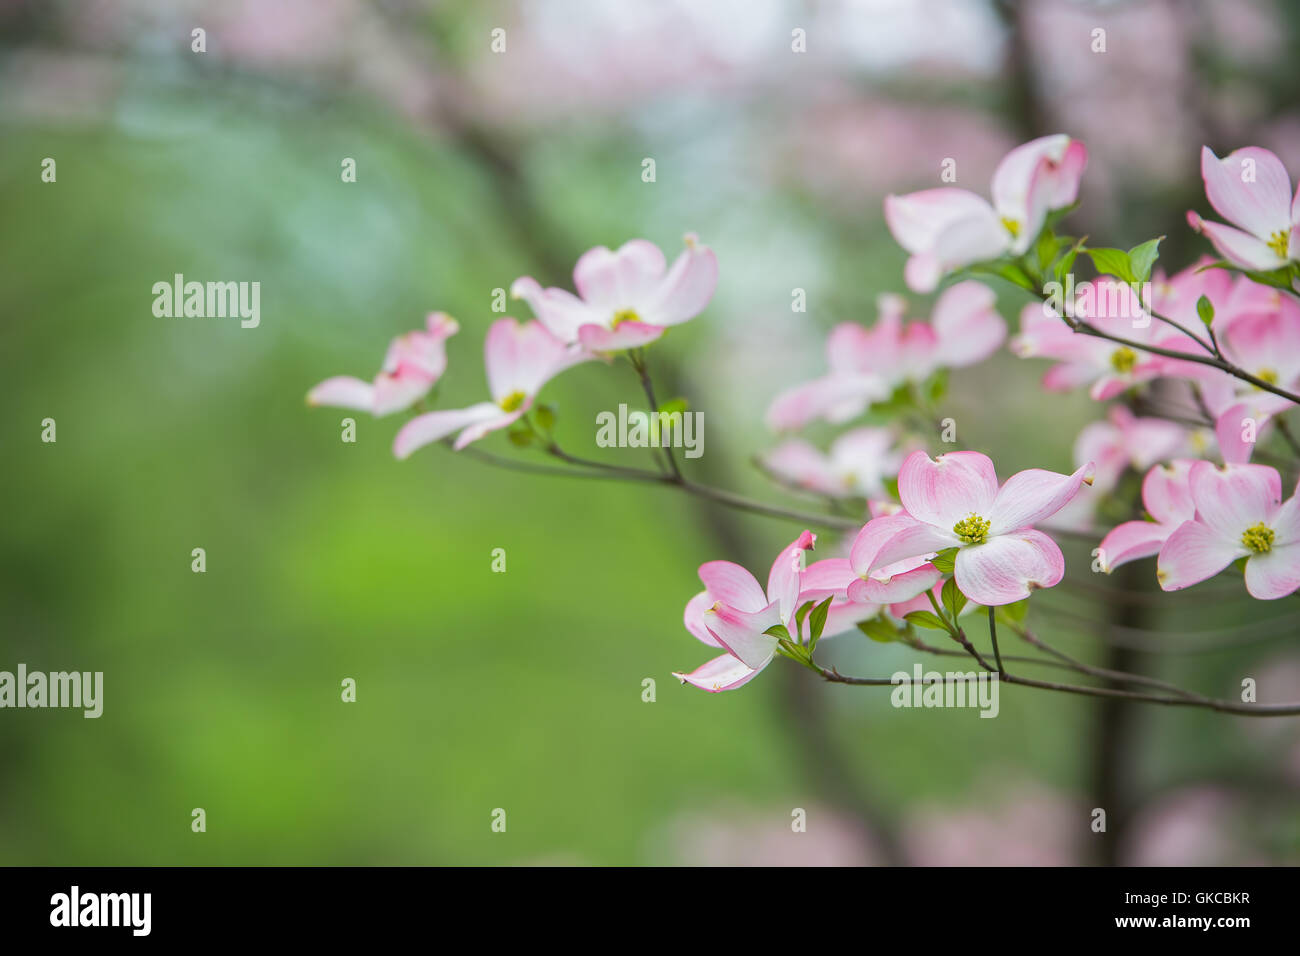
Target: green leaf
{"points": [[675, 405], [1057, 215], [926, 619], [801, 615], [1048, 248], [945, 560], [1067, 261], [953, 599], [795, 652], [937, 386], [879, 629], [1017, 275], [521, 436], [779, 631], [1113, 262], [1142, 258], [1205, 309], [545, 416], [902, 398], [817, 620], [1015, 613]]}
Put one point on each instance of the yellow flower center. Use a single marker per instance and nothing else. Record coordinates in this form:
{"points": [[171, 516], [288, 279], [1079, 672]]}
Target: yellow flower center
{"points": [[1267, 375], [513, 402], [1258, 538], [1123, 359], [1012, 226], [624, 315], [972, 529], [1279, 242]]}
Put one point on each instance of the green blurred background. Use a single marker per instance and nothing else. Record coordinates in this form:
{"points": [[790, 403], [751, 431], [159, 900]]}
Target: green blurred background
{"points": [[523, 690]]}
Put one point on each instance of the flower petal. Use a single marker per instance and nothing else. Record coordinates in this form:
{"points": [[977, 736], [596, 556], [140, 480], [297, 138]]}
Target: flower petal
{"points": [[1130, 541], [1194, 552], [1240, 248], [522, 357], [835, 398], [562, 312], [618, 280], [1007, 567], [894, 588], [687, 288], [628, 335], [787, 569], [967, 324], [721, 673], [797, 462], [343, 391], [732, 584], [393, 393], [1235, 497], [1167, 493], [693, 618], [741, 632], [825, 578], [1230, 431], [1260, 204], [1034, 494], [434, 426], [918, 220], [941, 491], [1274, 574]]}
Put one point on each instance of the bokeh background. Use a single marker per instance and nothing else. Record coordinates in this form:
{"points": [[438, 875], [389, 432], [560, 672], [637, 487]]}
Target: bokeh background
{"points": [[523, 690]]}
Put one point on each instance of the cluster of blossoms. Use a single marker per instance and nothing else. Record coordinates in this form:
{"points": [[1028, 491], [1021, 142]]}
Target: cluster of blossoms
{"points": [[951, 506], [942, 531], [950, 516], [626, 298]]}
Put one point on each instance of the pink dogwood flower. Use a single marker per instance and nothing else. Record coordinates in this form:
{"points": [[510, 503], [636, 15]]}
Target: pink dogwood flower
{"points": [[1108, 367], [734, 612], [1126, 441], [1167, 496], [1252, 190], [520, 359], [866, 364], [414, 363], [1239, 514], [948, 228], [626, 298], [954, 501], [857, 465], [1262, 337]]}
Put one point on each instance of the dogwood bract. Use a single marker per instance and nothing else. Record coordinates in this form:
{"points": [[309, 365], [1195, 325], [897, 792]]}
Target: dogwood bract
{"points": [[413, 364], [520, 359], [1167, 497], [857, 464], [866, 364], [954, 501], [1251, 189], [1108, 367], [625, 298], [734, 612], [1239, 513], [948, 228]]}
